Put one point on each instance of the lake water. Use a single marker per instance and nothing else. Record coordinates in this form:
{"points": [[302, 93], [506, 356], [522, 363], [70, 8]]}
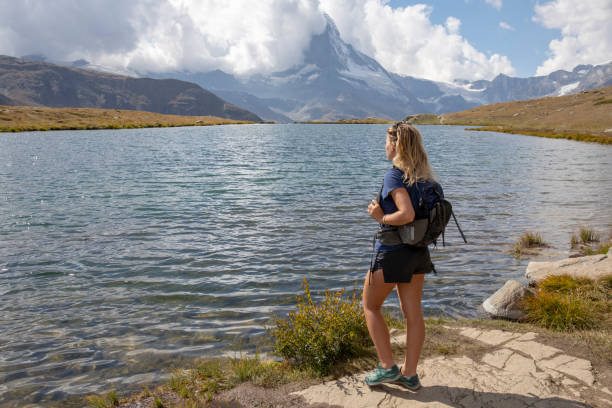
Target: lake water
{"points": [[126, 252]]}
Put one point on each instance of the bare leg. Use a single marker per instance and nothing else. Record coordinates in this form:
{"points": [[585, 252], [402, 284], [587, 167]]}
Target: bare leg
{"points": [[410, 300], [375, 291]]}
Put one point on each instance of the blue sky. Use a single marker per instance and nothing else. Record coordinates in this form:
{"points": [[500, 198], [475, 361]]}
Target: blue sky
{"points": [[441, 40], [526, 45]]}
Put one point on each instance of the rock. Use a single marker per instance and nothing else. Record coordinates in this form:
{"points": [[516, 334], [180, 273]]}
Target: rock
{"points": [[506, 302], [591, 267]]}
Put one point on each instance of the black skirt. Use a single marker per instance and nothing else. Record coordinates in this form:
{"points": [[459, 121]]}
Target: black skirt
{"points": [[399, 265]]}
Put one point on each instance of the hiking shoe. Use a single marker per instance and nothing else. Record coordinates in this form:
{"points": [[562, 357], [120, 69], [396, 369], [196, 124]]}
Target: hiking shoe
{"points": [[380, 375], [411, 383]]}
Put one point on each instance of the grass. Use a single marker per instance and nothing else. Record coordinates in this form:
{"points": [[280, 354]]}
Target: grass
{"points": [[583, 117], [423, 119], [566, 304], [25, 118], [585, 239], [350, 121], [551, 134], [107, 401], [527, 242]]}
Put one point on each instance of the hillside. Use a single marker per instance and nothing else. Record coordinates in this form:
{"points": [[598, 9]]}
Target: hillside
{"points": [[24, 118], [584, 116], [34, 83]]}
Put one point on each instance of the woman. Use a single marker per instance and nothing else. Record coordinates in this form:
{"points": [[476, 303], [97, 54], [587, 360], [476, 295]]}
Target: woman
{"points": [[401, 266]]}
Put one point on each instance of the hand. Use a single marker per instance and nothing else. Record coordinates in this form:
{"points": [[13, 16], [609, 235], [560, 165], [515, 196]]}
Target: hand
{"points": [[375, 211]]}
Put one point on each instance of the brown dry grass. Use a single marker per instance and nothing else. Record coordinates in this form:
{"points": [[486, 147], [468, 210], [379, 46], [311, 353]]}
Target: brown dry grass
{"points": [[586, 116], [351, 121], [25, 118]]}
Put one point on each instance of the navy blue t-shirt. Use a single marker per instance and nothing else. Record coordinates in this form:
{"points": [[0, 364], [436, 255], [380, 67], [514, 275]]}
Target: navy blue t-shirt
{"points": [[394, 178]]}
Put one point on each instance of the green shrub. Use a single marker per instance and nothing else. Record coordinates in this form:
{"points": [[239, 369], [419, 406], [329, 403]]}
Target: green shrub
{"points": [[319, 335]]}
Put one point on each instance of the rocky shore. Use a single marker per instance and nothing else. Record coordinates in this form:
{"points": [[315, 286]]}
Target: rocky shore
{"points": [[507, 302], [518, 370]]}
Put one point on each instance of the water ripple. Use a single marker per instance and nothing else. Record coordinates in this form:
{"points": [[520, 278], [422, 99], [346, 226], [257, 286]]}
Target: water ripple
{"points": [[123, 253]]}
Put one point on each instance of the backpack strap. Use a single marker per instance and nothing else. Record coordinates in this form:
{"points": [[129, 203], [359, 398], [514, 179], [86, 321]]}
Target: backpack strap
{"points": [[458, 227]]}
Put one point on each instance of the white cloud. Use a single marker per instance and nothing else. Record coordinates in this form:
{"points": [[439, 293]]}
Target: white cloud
{"points": [[586, 33], [452, 25], [506, 26], [240, 37], [495, 3], [405, 41]]}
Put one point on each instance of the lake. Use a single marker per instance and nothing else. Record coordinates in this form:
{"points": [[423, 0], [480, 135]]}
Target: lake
{"points": [[126, 252]]}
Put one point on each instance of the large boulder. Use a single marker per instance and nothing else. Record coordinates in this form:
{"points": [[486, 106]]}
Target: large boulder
{"points": [[507, 302], [590, 267]]}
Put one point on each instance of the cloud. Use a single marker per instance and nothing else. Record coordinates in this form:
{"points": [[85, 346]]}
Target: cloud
{"points": [[452, 25], [241, 37], [586, 33], [495, 3], [506, 26], [405, 41]]}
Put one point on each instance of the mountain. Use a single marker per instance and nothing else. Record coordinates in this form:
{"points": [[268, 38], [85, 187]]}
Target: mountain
{"points": [[5, 100], [336, 81], [558, 83], [37, 83], [333, 81]]}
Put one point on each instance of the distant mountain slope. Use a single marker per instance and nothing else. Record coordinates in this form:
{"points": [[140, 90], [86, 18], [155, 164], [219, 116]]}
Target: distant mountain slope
{"points": [[583, 116], [587, 110], [5, 100], [35, 83]]}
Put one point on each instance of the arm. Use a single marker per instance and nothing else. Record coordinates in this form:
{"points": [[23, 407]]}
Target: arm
{"points": [[404, 213]]}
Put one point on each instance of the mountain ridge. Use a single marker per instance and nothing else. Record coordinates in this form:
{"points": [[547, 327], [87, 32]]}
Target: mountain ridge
{"points": [[335, 81], [38, 83]]}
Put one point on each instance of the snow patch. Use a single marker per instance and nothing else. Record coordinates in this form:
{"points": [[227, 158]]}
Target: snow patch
{"points": [[298, 76], [566, 89]]}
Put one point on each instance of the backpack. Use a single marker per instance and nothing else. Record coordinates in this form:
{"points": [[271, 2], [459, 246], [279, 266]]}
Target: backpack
{"points": [[432, 213]]}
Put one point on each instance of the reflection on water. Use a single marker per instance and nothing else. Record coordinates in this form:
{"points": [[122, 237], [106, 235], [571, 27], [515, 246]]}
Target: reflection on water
{"points": [[123, 253]]}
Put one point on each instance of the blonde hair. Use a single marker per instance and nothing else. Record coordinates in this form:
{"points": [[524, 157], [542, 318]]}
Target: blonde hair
{"points": [[410, 155]]}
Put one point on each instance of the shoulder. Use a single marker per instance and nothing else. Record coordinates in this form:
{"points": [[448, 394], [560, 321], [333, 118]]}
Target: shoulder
{"points": [[394, 176]]}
